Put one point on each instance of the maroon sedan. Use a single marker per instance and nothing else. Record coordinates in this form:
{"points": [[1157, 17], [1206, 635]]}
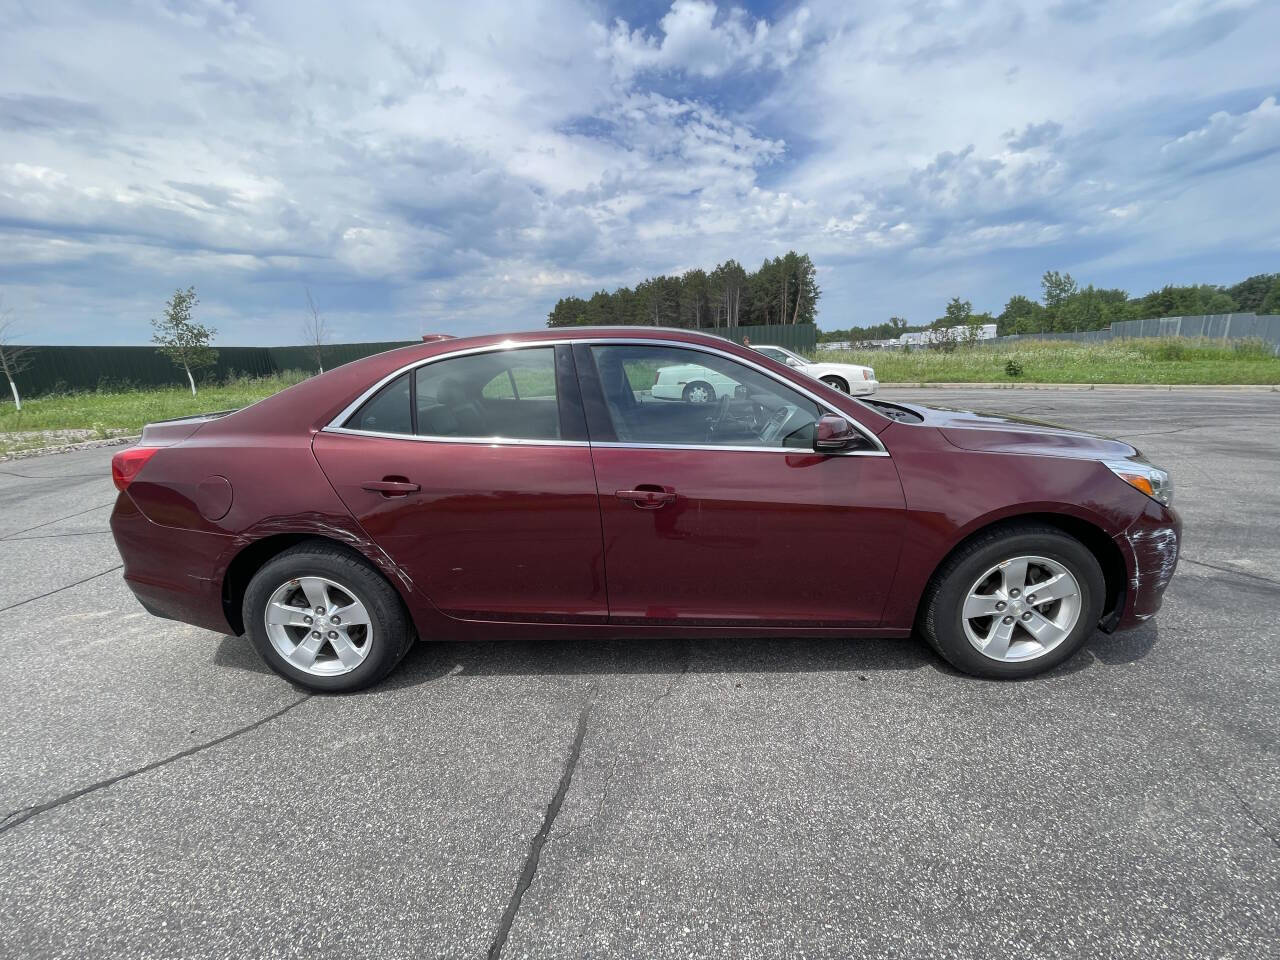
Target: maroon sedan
{"points": [[533, 486]]}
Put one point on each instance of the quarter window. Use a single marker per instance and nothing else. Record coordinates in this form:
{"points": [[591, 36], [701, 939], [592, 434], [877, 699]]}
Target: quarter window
{"points": [[387, 411], [672, 395]]}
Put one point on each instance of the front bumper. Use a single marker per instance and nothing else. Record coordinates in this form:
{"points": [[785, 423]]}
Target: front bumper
{"points": [[1150, 548], [863, 388]]}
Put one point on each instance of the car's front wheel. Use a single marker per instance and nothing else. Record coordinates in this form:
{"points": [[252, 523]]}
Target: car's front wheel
{"points": [[1013, 602], [699, 392], [838, 382], [322, 617]]}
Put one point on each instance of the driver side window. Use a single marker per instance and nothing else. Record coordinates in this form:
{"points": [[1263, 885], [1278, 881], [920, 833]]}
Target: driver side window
{"points": [[672, 395]]}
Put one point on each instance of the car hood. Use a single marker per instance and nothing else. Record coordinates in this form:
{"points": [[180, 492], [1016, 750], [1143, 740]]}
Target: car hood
{"points": [[840, 366], [1003, 433]]}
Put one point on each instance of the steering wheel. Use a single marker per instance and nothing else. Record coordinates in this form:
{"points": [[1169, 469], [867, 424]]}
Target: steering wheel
{"points": [[721, 415]]}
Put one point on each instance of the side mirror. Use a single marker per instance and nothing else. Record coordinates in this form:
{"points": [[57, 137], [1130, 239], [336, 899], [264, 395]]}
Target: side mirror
{"points": [[794, 364], [833, 433]]}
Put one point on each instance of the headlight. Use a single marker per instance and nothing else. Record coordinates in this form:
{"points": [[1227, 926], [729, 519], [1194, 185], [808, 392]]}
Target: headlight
{"points": [[1154, 482]]}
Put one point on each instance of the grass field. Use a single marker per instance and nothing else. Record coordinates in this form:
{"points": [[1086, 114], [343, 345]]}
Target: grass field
{"points": [[91, 415], [1166, 360]]}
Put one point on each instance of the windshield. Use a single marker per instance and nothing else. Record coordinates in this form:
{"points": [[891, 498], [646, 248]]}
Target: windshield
{"points": [[778, 353]]}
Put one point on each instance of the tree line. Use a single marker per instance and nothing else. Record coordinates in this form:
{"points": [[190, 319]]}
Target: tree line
{"points": [[1065, 306], [783, 291]]}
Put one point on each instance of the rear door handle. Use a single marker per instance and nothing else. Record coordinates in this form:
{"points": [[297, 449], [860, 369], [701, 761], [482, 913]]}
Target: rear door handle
{"points": [[392, 486], [648, 496]]}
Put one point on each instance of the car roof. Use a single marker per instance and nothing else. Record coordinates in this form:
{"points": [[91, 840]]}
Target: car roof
{"points": [[318, 399]]}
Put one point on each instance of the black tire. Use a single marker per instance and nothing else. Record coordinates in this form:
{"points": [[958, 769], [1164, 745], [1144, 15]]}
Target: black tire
{"points": [[702, 384], [392, 632], [940, 622], [839, 383]]}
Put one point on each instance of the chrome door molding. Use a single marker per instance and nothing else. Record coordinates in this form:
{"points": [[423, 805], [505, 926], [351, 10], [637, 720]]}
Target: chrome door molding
{"points": [[484, 441]]}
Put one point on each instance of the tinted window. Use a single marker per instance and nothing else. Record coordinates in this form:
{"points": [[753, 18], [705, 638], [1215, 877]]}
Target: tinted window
{"points": [[387, 411], [505, 393], [671, 395]]}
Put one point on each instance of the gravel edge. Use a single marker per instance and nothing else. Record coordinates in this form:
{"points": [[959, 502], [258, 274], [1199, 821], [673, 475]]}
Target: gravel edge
{"points": [[67, 448]]}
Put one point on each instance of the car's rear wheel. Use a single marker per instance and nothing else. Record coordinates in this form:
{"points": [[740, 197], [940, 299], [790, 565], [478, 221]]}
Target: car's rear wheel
{"points": [[699, 392], [322, 617], [1013, 602], [838, 382]]}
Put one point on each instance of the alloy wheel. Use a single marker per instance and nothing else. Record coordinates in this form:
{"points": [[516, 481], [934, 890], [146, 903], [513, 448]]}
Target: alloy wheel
{"points": [[318, 626], [1021, 609]]}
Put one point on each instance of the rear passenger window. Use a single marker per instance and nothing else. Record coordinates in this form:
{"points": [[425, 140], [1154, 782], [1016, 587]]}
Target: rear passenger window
{"points": [[387, 411], [500, 394]]}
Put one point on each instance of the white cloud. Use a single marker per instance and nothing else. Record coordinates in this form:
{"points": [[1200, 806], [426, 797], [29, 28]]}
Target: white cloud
{"points": [[460, 167], [700, 39], [1228, 137]]}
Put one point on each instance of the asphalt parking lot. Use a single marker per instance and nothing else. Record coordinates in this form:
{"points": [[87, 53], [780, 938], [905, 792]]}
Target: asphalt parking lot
{"points": [[168, 796]]}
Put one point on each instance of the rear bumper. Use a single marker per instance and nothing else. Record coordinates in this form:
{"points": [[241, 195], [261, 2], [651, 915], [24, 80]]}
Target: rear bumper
{"points": [[172, 572], [1150, 549]]}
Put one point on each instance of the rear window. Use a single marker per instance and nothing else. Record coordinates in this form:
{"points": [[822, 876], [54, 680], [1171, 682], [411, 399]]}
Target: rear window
{"points": [[387, 411], [498, 394]]}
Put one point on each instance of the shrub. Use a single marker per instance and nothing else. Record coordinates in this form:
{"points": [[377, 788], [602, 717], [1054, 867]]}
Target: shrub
{"points": [[1168, 349], [1013, 367], [1253, 349]]}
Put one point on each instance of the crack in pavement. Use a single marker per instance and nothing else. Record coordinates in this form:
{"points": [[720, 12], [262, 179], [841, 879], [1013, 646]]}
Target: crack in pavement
{"points": [[1173, 430], [24, 814], [1239, 573], [55, 536], [613, 767], [530, 869], [100, 506], [1248, 812], [95, 576]]}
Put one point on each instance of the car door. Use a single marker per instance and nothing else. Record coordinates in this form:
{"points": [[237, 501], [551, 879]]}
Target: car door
{"points": [[724, 514], [473, 473]]}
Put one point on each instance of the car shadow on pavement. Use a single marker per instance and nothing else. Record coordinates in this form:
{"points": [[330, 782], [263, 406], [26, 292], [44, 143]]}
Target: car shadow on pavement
{"points": [[575, 657], [1129, 646], [656, 657], [238, 653]]}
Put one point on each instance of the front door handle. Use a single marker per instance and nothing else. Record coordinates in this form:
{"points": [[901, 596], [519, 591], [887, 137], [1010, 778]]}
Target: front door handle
{"points": [[648, 496], [392, 486]]}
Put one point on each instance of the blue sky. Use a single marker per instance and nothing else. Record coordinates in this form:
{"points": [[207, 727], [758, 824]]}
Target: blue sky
{"points": [[460, 168]]}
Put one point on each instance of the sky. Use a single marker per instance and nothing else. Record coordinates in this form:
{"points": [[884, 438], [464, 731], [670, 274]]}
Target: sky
{"points": [[458, 168]]}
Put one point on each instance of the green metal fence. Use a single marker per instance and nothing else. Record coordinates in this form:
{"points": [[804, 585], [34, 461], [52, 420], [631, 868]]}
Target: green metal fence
{"points": [[66, 369], [802, 337]]}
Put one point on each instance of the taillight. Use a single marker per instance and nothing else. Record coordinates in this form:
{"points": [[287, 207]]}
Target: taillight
{"points": [[126, 464]]}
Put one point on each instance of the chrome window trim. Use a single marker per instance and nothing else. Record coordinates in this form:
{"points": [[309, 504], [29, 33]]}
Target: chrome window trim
{"points": [[790, 451], [483, 441], [335, 425]]}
